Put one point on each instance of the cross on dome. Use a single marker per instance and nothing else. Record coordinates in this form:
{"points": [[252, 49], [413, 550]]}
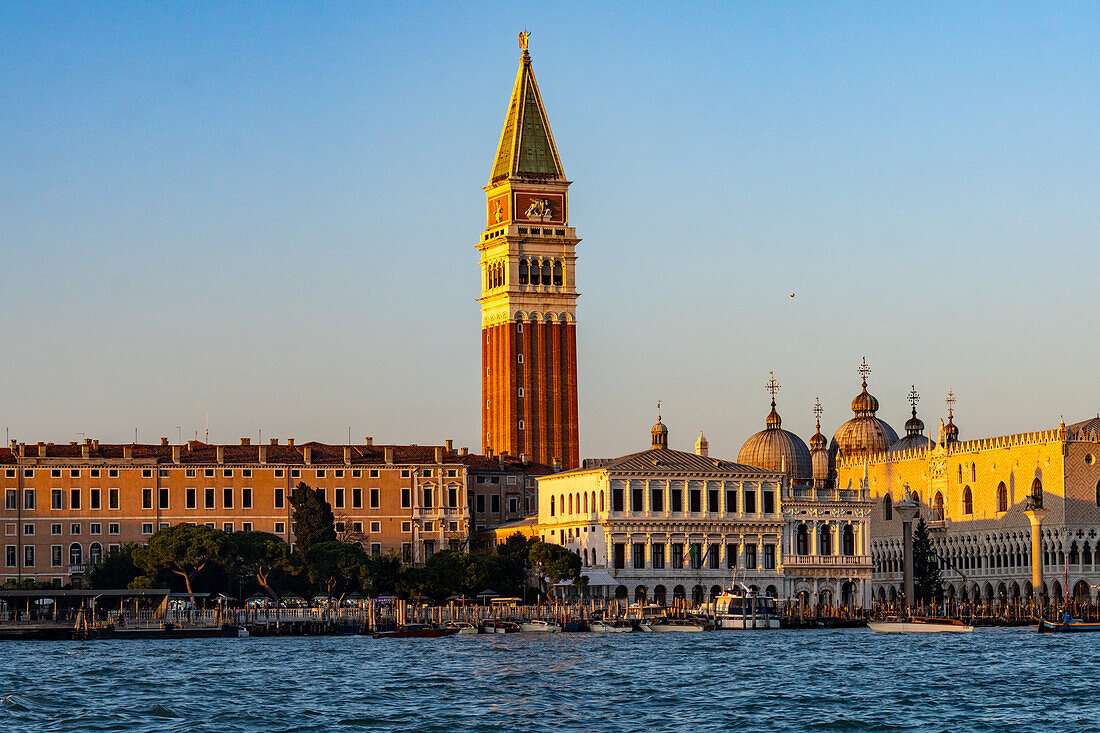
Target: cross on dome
{"points": [[914, 398], [817, 411], [864, 371], [772, 387], [950, 401]]}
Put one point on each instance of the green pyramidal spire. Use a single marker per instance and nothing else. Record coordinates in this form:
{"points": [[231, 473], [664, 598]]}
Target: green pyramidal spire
{"points": [[526, 147]]}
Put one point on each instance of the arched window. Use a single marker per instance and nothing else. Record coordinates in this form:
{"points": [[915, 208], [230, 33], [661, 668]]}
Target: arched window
{"points": [[586, 503], [887, 508], [557, 273], [546, 272], [639, 594], [825, 541], [1036, 493], [1098, 493], [849, 541], [803, 541], [523, 272], [960, 473], [973, 472], [1002, 497], [593, 501], [968, 501], [76, 554], [601, 500], [570, 503], [937, 507], [95, 552], [551, 506]]}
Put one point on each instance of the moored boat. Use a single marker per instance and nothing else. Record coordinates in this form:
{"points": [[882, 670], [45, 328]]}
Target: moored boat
{"points": [[415, 631], [918, 625], [608, 626], [463, 627], [542, 627], [664, 626], [1068, 625], [742, 608], [496, 626]]}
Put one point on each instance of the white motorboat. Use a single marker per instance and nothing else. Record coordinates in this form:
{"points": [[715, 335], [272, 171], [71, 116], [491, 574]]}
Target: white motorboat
{"points": [[464, 627], [664, 626], [741, 608], [918, 625], [539, 626], [610, 627]]}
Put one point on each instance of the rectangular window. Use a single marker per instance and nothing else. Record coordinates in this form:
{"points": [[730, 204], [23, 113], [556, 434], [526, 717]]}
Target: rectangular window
{"points": [[356, 498], [429, 526], [280, 527], [74, 499], [677, 496], [376, 548], [373, 473], [190, 498], [339, 498], [338, 473], [637, 555], [406, 498], [513, 505], [74, 529], [57, 499], [769, 557], [428, 494], [146, 498], [279, 473], [619, 555], [696, 555], [695, 497], [208, 498], [636, 497], [677, 555], [10, 556], [321, 473], [11, 499], [406, 552], [189, 473], [55, 528], [94, 500], [28, 556], [657, 500], [147, 528], [731, 501], [658, 553], [209, 473], [750, 501], [452, 497], [163, 473], [246, 498], [714, 556], [246, 526], [246, 472], [452, 526], [375, 527], [406, 526], [28, 499], [112, 498], [427, 473], [163, 498], [227, 526], [769, 502], [479, 503], [95, 528], [375, 498], [712, 501], [28, 530], [339, 527], [750, 557], [227, 498], [112, 528], [112, 473], [55, 556], [278, 498], [494, 504], [731, 556], [147, 473], [616, 500]]}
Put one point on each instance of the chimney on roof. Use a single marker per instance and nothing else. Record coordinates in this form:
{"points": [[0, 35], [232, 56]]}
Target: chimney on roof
{"points": [[85, 450], [450, 446], [22, 450], [263, 454], [500, 460], [307, 454], [290, 441], [246, 441], [164, 441], [175, 454], [128, 452], [556, 465], [389, 455], [463, 451], [347, 455], [370, 440], [439, 454], [273, 441], [41, 449]]}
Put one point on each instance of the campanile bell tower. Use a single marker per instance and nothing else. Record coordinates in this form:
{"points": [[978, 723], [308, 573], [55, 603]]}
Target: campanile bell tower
{"points": [[528, 295]]}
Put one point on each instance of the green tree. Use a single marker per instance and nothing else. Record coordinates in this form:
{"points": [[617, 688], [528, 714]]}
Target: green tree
{"points": [[553, 563], [115, 569], [312, 517], [380, 574], [927, 584], [256, 555], [335, 566], [184, 550]]}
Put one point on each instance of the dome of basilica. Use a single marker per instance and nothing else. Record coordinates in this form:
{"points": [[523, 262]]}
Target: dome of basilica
{"points": [[864, 433], [914, 439], [776, 449]]}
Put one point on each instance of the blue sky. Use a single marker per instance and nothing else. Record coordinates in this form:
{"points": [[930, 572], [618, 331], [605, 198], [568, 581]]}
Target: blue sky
{"points": [[264, 215]]}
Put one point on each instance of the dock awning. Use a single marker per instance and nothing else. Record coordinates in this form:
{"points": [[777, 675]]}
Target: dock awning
{"points": [[596, 578]]}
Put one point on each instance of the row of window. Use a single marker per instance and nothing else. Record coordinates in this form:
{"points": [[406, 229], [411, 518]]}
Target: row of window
{"points": [[580, 503], [226, 472], [966, 501], [494, 504], [697, 555], [75, 528]]}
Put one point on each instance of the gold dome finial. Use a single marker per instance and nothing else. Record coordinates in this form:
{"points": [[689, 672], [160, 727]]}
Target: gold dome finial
{"points": [[950, 401], [914, 398], [817, 412], [864, 371], [772, 386], [523, 36]]}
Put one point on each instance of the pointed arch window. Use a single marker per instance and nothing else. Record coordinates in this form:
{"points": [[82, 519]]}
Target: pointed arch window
{"points": [[967, 501], [937, 507], [1002, 497], [1036, 493], [887, 508]]}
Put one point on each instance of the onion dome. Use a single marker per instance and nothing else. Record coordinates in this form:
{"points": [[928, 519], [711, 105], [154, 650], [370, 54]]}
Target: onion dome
{"points": [[864, 433], [950, 430], [914, 439], [659, 431], [819, 453], [776, 449]]}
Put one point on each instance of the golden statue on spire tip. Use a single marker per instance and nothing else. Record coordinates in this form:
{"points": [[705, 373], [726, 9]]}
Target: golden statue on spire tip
{"points": [[523, 36]]}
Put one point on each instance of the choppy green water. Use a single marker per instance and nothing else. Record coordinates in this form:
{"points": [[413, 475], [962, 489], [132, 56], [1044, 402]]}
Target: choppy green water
{"points": [[819, 680]]}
